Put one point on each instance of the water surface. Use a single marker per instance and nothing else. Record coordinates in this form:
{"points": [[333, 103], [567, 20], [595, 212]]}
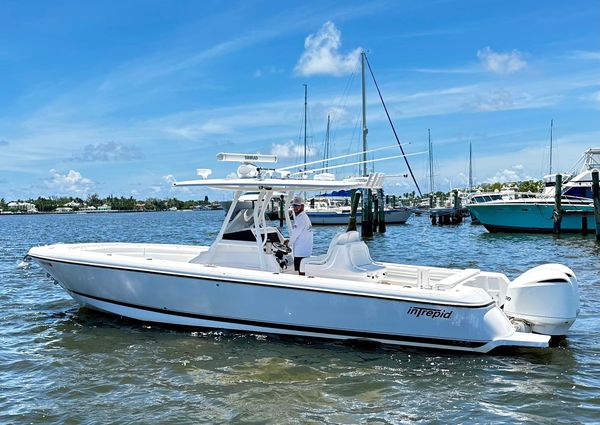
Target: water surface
{"points": [[62, 364]]}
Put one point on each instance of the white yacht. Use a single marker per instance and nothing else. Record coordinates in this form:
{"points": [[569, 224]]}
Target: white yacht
{"points": [[535, 213], [243, 282]]}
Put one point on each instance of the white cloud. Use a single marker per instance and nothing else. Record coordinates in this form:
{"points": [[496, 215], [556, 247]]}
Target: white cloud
{"points": [[71, 183], [107, 152], [512, 174], [494, 101], [585, 55], [596, 98], [338, 114], [268, 70], [291, 150], [169, 178], [501, 62], [321, 55]]}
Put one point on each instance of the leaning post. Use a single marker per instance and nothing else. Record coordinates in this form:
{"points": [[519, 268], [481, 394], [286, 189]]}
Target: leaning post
{"points": [[557, 204], [596, 198]]}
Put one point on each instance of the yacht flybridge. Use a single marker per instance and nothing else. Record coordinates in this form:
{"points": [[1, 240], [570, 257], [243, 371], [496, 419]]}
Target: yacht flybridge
{"points": [[244, 282]]}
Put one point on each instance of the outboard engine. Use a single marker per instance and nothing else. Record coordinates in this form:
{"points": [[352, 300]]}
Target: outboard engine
{"points": [[544, 299]]}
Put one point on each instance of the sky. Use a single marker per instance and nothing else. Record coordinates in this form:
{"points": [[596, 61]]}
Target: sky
{"points": [[124, 97]]}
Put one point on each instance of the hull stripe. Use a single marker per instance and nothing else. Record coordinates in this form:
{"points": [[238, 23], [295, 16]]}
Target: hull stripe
{"points": [[309, 329], [295, 288]]}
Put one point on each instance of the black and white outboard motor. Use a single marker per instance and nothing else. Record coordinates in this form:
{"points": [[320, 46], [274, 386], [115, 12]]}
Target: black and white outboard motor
{"points": [[543, 300]]}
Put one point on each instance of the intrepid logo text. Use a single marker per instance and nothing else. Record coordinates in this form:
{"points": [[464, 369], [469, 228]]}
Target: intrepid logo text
{"points": [[429, 312]]}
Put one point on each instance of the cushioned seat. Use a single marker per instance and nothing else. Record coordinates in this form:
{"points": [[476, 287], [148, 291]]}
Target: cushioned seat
{"points": [[347, 258]]}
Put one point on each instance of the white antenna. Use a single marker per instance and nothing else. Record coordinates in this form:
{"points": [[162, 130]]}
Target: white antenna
{"points": [[244, 157]]}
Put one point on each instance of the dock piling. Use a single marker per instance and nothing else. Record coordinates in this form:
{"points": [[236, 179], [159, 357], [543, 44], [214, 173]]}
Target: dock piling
{"points": [[366, 226], [375, 211], [557, 215], [353, 208], [281, 210], [596, 198], [381, 211]]}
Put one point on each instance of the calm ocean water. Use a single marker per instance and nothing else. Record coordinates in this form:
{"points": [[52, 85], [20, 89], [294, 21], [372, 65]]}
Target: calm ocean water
{"points": [[60, 364]]}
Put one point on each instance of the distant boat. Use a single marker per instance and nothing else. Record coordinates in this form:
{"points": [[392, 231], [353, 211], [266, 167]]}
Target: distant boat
{"points": [[214, 206], [536, 214], [336, 211]]}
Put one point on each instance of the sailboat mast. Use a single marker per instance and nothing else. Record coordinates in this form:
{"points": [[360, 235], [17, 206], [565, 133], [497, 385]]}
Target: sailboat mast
{"points": [[305, 113], [551, 130], [430, 163], [364, 115], [327, 144], [470, 168]]}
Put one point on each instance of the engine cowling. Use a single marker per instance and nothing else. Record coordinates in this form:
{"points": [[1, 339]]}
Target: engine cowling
{"points": [[545, 297]]}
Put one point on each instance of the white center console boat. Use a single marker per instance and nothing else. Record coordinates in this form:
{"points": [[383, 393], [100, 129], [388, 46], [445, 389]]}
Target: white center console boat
{"points": [[244, 282]]}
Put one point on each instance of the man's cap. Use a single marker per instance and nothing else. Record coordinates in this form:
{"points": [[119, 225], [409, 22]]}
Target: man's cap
{"points": [[298, 201]]}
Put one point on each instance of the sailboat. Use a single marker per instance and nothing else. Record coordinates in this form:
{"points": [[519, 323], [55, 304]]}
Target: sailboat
{"points": [[334, 208]]}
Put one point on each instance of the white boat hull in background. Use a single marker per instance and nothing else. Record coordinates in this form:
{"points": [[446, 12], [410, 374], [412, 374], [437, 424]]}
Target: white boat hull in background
{"points": [[392, 216]]}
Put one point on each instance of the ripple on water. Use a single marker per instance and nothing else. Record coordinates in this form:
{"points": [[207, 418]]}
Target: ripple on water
{"points": [[60, 364]]}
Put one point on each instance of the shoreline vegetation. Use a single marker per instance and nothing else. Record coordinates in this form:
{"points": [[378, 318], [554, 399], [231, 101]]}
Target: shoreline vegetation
{"points": [[94, 203]]}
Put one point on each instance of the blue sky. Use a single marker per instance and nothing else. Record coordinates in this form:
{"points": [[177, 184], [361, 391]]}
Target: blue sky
{"points": [[123, 97]]}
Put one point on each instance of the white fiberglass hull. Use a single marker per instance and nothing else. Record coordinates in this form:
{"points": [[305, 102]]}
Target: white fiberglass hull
{"points": [[331, 217], [160, 290]]}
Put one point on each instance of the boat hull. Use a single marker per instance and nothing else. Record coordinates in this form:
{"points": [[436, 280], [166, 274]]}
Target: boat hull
{"points": [[223, 300], [531, 218], [396, 216]]}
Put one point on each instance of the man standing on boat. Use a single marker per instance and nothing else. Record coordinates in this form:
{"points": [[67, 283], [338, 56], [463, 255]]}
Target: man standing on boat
{"points": [[302, 235]]}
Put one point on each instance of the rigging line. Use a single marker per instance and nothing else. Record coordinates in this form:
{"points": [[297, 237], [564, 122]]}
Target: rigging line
{"points": [[334, 158], [342, 102], [392, 125], [357, 163]]}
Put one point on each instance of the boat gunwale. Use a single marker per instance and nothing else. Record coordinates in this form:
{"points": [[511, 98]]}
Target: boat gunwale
{"points": [[266, 284]]}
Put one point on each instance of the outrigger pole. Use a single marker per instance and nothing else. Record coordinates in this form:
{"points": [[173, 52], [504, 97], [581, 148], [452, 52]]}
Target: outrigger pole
{"points": [[334, 158], [358, 163]]}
